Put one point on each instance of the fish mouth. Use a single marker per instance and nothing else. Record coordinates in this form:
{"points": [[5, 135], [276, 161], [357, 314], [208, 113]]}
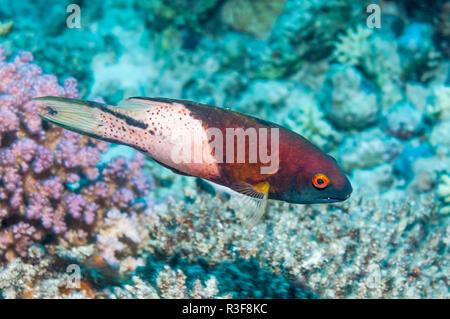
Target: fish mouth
{"points": [[329, 200], [333, 199]]}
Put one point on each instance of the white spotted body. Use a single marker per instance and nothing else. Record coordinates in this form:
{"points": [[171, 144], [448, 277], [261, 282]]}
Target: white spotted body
{"points": [[165, 132]]}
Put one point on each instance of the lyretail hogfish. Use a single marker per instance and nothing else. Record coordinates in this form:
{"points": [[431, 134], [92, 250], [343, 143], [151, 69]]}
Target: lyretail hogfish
{"points": [[254, 157]]}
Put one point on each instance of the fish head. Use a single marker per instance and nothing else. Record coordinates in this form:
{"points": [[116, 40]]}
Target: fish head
{"points": [[320, 180]]}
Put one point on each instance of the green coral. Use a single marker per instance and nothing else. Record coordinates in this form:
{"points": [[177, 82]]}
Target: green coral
{"points": [[5, 27]]}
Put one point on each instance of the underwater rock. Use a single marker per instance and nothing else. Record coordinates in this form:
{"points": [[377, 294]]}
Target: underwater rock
{"points": [[403, 120], [368, 149], [416, 40], [348, 99], [264, 96], [370, 182], [404, 164], [253, 17], [427, 171], [43, 276], [415, 46]]}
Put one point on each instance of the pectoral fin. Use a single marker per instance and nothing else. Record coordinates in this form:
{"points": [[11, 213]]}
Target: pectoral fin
{"points": [[254, 202]]}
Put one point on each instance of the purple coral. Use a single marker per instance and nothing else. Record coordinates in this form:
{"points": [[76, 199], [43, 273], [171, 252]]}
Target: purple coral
{"points": [[38, 161]]}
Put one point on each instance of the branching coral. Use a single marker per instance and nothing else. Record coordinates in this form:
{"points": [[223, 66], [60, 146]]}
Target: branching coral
{"points": [[41, 163], [119, 228], [352, 46]]}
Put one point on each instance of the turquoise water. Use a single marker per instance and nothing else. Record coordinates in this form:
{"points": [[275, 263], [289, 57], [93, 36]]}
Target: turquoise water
{"points": [[369, 85]]}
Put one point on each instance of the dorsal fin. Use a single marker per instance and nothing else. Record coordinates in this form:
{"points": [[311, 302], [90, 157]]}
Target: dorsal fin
{"points": [[133, 105], [153, 101]]}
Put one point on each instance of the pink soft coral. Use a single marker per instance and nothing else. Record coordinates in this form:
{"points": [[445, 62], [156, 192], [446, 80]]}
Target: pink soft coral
{"points": [[38, 161]]}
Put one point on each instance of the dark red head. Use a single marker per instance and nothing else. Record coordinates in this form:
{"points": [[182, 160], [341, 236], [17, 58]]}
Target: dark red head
{"points": [[317, 178]]}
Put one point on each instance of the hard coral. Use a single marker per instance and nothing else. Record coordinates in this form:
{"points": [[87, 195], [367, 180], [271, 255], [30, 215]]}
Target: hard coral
{"points": [[443, 190], [364, 248], [39, 163]]}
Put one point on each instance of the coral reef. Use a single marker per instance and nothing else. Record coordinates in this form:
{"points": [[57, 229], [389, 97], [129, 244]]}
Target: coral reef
{"points": [[49, 178], [43, 276], [377, 99], [443, 190], [315, 247]]}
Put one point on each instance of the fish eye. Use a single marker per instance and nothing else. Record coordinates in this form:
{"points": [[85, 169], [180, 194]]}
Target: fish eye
{"points": [[320, 181]]}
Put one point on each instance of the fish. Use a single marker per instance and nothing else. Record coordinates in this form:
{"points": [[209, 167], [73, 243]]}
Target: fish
{"points": [[253, 157]]}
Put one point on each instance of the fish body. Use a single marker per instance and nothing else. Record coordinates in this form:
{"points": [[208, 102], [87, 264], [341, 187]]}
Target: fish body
{"points": [[180, 135]]}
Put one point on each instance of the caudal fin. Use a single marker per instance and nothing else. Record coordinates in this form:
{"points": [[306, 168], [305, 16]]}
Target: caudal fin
{"points": [[76, 115]]}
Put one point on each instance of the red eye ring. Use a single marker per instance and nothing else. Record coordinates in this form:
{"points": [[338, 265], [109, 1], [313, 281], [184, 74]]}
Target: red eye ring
{"points": [[320, 181]]}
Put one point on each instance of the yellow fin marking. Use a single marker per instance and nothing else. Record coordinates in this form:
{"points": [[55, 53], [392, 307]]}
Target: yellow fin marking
{"points": [[262, 187]]}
